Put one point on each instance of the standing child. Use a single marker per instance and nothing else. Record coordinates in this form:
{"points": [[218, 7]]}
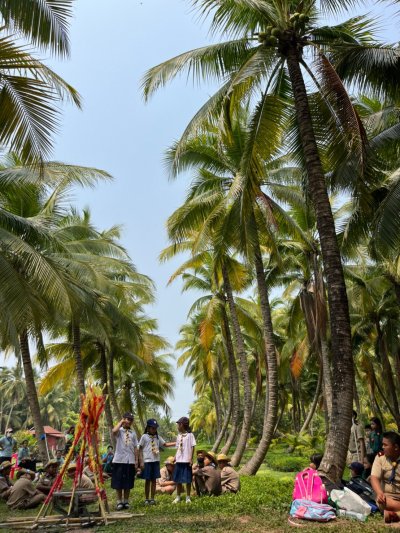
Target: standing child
{"points": [[125, 461], [149, 458], [185, 444]]}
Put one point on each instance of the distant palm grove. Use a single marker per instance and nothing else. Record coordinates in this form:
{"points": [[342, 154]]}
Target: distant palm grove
{"points": [[289, 236]]}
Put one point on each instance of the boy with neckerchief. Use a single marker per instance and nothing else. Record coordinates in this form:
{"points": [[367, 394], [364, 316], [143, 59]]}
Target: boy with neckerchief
{"points": [[385, 477]]}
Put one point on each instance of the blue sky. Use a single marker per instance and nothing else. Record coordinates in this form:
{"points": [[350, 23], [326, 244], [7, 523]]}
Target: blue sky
{"points": [[113, 43]]}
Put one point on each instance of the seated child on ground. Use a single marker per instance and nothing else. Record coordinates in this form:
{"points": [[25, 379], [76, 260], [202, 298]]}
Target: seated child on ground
{"points": [[23, 494], [230, 481], [5, 481], [47, 479], [385, 477], [208, 479], [165, 483]]}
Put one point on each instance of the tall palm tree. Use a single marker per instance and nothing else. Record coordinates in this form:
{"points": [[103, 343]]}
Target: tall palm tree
{"points": [[288, 38]]}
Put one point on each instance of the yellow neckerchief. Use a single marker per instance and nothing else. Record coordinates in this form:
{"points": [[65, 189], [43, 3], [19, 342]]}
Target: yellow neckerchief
{"points": [[181, 437], [153, 444], [127, 436]]}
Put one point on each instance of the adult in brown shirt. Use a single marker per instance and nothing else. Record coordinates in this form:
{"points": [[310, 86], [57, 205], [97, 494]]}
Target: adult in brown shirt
{"points": [[385, 477], [208, 479], [5, 481], [24, 494], [47, 479], [230, 481]]}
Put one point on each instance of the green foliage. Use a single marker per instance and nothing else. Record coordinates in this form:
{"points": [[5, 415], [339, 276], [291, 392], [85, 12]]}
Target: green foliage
{"points": [[22, 435], [287, 462]]}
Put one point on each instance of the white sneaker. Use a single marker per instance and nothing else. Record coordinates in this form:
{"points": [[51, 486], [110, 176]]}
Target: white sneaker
{"points": [[177, 500], [188, 500]]}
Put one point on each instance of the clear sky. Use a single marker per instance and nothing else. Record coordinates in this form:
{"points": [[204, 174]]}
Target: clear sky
{"points": [[113, 43]]}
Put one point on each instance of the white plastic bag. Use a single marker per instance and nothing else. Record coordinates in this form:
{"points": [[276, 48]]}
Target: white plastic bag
{"points": [[350, 501]]}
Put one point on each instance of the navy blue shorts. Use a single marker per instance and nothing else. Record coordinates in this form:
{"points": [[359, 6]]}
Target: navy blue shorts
{"points": [[151, 470], [182, 473]]}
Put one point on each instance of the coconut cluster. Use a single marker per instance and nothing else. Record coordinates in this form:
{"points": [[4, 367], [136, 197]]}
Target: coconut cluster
{"points": [[272, 34]]}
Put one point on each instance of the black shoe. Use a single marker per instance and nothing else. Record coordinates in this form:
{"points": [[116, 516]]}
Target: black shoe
{"points": [[126, 505], [120, 506]]}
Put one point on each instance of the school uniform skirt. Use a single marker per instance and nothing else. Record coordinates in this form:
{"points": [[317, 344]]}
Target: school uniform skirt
{"points": [[123, 476], [182, 473]]}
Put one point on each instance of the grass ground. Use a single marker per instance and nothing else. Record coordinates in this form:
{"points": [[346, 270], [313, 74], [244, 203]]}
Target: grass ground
{"points": [[261, 506]]}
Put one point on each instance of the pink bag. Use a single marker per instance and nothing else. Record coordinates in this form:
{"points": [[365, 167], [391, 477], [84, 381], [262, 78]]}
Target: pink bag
{"points": [[308, 486]]}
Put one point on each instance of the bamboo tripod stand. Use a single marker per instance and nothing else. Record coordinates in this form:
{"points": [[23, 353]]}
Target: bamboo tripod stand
{"points": [[86, 440]]}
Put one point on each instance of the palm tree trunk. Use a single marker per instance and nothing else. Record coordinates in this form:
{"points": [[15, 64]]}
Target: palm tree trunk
{"points": [[327, 377], [233, 381], [76, 346], [342, 360], [217, 402], [387, 369], [104, 378], [271, 365], [9, 416], [113, 399], [31, 393], [224, 427], [314, 403], [244, 370]]}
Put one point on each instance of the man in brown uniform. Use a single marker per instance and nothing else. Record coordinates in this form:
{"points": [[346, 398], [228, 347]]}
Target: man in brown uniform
{"points": [[5, 481], [47, 479], [24, 494], [165, 484], [230, 481], [208, 479], [385, 477]]}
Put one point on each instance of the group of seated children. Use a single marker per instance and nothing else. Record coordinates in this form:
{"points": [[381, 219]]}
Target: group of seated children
{"points": [[30, 489], [377, 480]]}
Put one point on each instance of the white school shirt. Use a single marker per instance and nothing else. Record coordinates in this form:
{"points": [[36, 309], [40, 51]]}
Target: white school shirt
{"points": [[125, 446], [150, 445], [184, 447]]}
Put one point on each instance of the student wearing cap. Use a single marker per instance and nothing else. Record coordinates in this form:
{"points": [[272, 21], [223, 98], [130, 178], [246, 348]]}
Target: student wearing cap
{"points": [[208, 479], [165, 484], [24, 494], [48, 477], [5, 481], [7, 445], [149, 458], [230, 481], [185, 444], [125, 460]]}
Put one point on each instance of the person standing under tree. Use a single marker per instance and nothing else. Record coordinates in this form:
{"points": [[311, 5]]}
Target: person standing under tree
{"points": [[7, 445], [356, 452], [185, 444], [125, 461], [149, 458]]}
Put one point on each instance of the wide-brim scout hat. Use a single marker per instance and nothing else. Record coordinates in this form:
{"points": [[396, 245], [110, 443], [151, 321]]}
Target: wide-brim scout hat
{"points": [[50, 463], [170, 460], [223, 457], [4, 465], [128, 415], [23, 471], [212, 456], [71, 466]]}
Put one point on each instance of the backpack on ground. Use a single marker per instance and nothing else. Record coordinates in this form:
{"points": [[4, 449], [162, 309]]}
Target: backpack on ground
{"points": [[309, 486], [364, 490], [308, 510], [350, 501]]}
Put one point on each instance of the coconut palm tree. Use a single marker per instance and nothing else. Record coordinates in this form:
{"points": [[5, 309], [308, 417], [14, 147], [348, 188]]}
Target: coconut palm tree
{"points": [[29, 90], [290, 42]]}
